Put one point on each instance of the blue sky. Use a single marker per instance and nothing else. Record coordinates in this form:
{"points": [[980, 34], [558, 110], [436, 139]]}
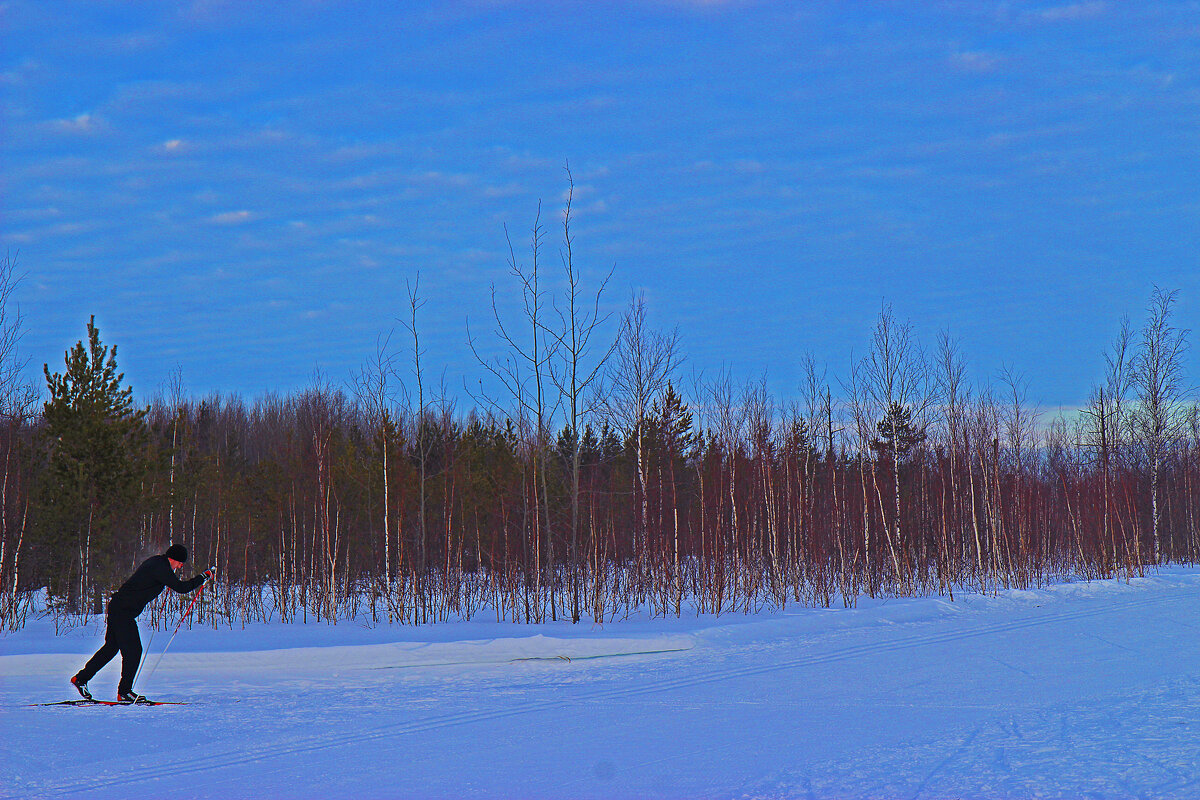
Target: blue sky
{"points": [[243, 190]]}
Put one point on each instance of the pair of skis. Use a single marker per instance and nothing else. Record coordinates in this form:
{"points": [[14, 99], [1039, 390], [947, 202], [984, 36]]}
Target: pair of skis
{"points": [[107, 703]]}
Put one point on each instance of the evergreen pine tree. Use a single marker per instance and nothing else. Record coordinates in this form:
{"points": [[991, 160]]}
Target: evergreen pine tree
{"points": [[896, 432], [675, 421], [88, 502]]}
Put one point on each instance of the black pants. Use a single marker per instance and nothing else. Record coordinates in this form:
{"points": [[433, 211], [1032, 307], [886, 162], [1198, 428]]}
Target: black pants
{"points": [[121, 635]]}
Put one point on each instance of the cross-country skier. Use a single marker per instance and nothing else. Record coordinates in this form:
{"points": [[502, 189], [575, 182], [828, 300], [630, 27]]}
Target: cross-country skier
{"points": [[121, 633]]}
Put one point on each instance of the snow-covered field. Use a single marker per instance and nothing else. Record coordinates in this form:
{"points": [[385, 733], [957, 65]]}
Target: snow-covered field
{"points": [[1085, 690]]}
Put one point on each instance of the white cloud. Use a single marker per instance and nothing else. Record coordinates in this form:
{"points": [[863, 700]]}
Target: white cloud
{"points": [[231, 217], [578, 192], [34, 214], [702, 5], [150, 95], [1073, 11], [20, 74], [440, 178], [592, 173], [366, 150], [505, 190], [80, 124], [525, 162], [135, 42], [975, 61], [893, 172]]}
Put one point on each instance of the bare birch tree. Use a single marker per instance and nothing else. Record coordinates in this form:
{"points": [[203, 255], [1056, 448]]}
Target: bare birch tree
{"points": [[1106, 430], [420, 438], [376, 395], [1157, 373], [17, 394], [895, 378], [644, 362], [528, 361], [577, 369], [18, 397], [955, 395]]}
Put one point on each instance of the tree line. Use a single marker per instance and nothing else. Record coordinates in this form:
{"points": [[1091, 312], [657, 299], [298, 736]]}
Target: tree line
{"points": [[598, 479]]}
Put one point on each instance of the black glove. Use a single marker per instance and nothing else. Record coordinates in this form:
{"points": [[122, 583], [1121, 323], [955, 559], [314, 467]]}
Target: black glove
{"points": [[209, 574]]}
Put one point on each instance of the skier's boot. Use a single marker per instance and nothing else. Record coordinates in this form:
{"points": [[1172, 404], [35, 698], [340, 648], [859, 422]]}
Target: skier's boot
{"points": [[81, 687], [130, 696]]}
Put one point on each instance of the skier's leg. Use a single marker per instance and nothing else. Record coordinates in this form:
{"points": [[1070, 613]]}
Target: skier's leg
{"points": [[104, 655], [131, 653]]}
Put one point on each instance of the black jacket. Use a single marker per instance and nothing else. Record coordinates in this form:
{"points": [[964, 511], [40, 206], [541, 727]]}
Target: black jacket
{"points": [[147, 583]]}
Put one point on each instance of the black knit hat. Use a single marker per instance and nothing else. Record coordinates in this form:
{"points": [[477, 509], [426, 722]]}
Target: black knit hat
{"points": [[176, 552]]}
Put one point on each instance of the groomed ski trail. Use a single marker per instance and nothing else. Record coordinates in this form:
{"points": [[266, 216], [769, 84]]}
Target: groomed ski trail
{"points": [[169, 768]]}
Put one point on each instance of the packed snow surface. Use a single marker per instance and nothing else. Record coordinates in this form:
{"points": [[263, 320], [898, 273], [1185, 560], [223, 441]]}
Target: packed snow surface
{"points": [[1078, 690]]}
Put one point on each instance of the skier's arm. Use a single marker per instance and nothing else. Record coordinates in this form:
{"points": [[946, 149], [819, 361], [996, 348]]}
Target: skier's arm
{"points": [[172, 581]]}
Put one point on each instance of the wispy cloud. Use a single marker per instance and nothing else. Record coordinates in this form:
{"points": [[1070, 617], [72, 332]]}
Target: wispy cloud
{"points": [[975, 61], [441, 178], [81, 124], [231, 217], [701, 5], [33, 214], [367, 150], [20, 74], [1072, 11], [503, 190], [151, 94], [133, 42]]}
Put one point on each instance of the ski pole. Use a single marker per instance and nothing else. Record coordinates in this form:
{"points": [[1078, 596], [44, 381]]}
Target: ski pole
{"points": [[153, 631], [177, 626], [145, 653]]}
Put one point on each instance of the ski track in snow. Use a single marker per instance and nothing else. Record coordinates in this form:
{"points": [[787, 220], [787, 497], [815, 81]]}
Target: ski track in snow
{"points": [[1156, 757], [1151, 763]]}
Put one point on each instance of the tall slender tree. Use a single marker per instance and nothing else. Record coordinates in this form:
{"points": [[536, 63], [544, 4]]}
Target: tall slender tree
{"points": [[18, 401], [94, 435], [643, 364], [577, 372], [1157, 372]]}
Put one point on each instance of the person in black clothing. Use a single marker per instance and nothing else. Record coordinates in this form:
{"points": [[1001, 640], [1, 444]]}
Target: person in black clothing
{"points": [[121, 633]]}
